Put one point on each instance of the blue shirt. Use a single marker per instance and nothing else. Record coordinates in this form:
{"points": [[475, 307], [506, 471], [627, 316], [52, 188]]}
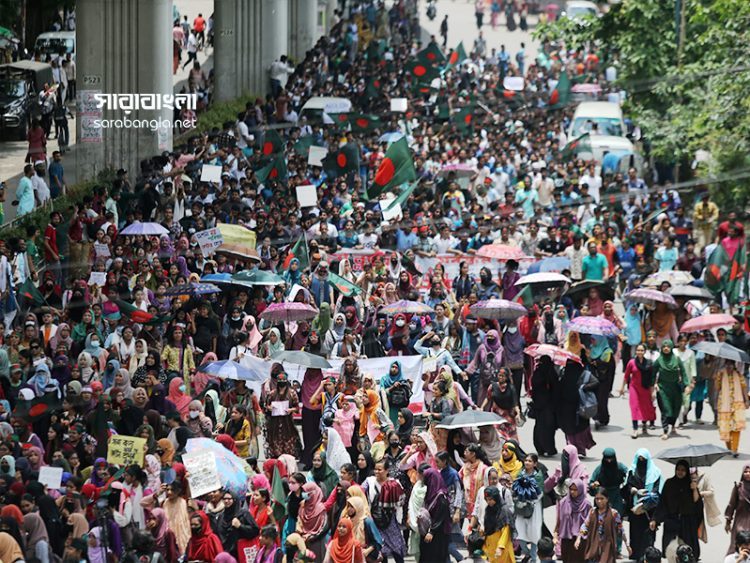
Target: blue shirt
{"points": [[56, 177], [405, 241], [594, 266]]}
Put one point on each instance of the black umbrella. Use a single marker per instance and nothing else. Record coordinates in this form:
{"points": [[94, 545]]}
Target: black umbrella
{"points": [[606, 289], [702, 455], [691, 292], [722, 350], [471, 418], [301, 358]]}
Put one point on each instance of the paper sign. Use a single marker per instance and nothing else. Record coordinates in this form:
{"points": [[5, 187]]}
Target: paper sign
{"points": [[211, 173], [209, 240], [98, 278], [392, 213], [279, 408], [203, 474], [101, 250], [126, 450], [50, 476], [316, 155], [399, 104], [514, 83], [307, 196]]}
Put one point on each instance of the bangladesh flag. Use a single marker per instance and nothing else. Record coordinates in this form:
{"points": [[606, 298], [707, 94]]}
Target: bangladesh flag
{"points": [[581, 143], [347, 288], [342, 161], [403, 196], [30, 292], [274, 170], [374, 87], [421, 73], [133, 313], [278, 497], [298, 251], [464, 118], [397, 168], [431, 55], [725, 273], [560, 96], [302, 146], [363, 123], [272, 143], [525, 297], [457, 56], [340, 119]]}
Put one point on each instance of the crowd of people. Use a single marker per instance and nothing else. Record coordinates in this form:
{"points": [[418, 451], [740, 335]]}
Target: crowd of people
{"points": [[395, 308]]}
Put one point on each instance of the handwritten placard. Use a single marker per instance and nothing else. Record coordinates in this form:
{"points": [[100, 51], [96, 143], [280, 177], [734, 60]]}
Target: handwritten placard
{"points": [[98, 278], [125, 450], [203, 474], [209, 240], [101, 250], [51, 477]]}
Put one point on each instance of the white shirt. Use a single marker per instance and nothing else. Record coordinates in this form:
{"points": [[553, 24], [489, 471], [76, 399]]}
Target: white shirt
{"points": [[442, 245], [40, 187], [594, 183], [192, 45], [244, 135]]}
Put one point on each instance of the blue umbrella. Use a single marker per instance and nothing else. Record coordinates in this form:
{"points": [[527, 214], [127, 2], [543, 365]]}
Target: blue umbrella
{"points": [[390, 137], [553, 264], [227, 369], [233, 470], [192, 289], [217, 278]]}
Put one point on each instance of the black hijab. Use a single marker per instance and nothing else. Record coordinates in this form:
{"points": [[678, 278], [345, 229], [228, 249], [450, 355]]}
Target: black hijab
{"points": [[404, 431], [677, 496]]}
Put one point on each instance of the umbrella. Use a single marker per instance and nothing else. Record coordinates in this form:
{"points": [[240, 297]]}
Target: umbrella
{"points": [[233, 470], [558, 355], [139, 228], [649, 297], [192, 289], [606, 291], [390, 137], [302, 359], [289, 312], [228, 369], [498, 309], [238, 250], [258, 277], [546, 278], [471, 418], [461, 170], [707, 322], [593, 325], [701, 455], [691, 292], [674, 277], [407, 307], [501, 252], [554, 264], [722, 350]]}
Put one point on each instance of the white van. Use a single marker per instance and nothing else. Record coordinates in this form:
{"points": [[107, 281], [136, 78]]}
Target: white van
{"points": [[56, 42], [320, 106], [602, 145], [606, 115]]}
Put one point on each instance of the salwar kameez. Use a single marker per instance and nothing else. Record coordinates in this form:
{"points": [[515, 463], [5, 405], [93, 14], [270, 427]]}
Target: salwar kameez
{"points": [[500, 539], [731, 393]]}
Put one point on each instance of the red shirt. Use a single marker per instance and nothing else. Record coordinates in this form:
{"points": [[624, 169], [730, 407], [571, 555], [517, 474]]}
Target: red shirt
{"points": [[50, 236], [199, 24]]}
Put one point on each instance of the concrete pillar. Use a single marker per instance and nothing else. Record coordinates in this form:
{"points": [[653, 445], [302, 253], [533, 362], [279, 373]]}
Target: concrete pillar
{"points": [[303, 27], [275, 18], [122, 58]]}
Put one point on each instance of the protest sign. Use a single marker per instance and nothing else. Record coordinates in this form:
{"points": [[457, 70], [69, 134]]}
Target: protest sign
{"points": [[203, 474], [126, 450], [399, 104], [101, 250], [307, 196], [316, 155], [209, 240], [98, 278], [51, 477], [211, 173]]}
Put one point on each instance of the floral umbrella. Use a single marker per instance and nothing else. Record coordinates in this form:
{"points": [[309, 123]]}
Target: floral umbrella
{"points": [[559, 356], [593, 325], [649, 297]]}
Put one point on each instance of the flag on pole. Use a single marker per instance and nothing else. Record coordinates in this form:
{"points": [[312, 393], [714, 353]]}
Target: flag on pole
{"points": [[274, 170], [580, 144], [725, 273], [396, 168], [525, 297], [457, 56], [278, 497], [272, 143], [464, 119], [346, 287], [431, 55], [560, 96], [30, 292], [403, 196], [340, 162], [298, 251], [421, 73]]}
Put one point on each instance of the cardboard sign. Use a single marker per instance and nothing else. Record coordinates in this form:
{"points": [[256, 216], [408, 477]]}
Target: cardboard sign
{"points": [[316, 155], [209, 240], [399, 104], [126, 450], [211, 173], [51, 477], [203, 474], [98, 278], [307, 196]]}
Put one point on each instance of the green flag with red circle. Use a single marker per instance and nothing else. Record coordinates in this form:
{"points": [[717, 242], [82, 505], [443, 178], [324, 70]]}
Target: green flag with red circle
{"points": [[363, 123], [274, 170], [342, 161], [374, 87], [421, 73], [396, 168], [431, 55], [272, 143], [456, 57], [560, 96], [463, 119]]}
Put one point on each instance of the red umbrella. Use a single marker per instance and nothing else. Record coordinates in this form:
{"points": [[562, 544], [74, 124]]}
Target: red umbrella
{"points": [[501, 252], [707, 322], [558, 355]]}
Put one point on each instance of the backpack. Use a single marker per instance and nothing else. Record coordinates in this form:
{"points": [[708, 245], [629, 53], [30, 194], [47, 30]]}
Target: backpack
{"points": [[588, 404], [399, 396], [523, 508], [380, 514]]}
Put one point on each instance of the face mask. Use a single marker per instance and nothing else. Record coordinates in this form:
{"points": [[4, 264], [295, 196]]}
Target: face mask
{"points": [[194, 414], [235, 319], [400, 323], [95, 343], [182, 388], [512, 329]]}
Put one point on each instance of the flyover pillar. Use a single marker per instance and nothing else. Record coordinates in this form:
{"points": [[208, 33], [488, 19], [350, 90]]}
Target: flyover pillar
{"points": [[303, 27]]}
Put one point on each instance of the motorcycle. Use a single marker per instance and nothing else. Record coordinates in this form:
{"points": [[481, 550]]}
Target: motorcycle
{"points": [[431, 10]]}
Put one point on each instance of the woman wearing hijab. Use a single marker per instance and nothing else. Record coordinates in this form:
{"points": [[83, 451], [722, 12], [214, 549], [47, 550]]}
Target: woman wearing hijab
{"points": [[405, 425], [737, 513], [731, 403], [273, 346], [96, 351], [639, 377], [544, 388], [344, 547], [323, 474], [236, 527], [214, 409], [572, 512], [139, 358], [577, 429], [664, 323], [312, 520], [487, 361], [497, 528], [510, 459], [642, 486], [670, 378], [178, 397], [96, 552], [570, 468], [204, 545], [37, 540], [364, 528], [513, 357], [434, 539], [395, 390], [602, 359], [680, 508], [610, 474], [633, 332], [280, 421], [369, 423]]}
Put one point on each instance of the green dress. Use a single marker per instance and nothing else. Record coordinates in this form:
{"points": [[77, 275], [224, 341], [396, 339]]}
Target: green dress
{"points": [[672, 379], [611, 475]]}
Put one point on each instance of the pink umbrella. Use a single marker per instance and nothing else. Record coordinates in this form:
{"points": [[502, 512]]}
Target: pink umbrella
{"points": [[498, 309], [593, 325], [289, 312], [707, 322], [649, 297], [462, 170], [501, 252], [558, 355]]}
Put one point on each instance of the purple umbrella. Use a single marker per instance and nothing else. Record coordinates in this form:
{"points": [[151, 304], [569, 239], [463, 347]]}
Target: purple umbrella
{"points": [[139, 228], [289, 312], [649, 297], [498, 309], [593, 325], [408, 308]]}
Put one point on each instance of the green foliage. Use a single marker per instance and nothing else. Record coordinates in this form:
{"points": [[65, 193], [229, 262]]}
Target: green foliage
{"points": [[219, 113]]}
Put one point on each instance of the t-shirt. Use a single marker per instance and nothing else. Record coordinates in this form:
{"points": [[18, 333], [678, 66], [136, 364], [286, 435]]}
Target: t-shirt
{"points": [[594, 266], [667, 258], [199, 24]]}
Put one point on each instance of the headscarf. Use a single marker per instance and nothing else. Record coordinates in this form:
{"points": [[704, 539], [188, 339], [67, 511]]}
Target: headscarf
{"points": [[41, 379], [575, 468], [633, 327], [97, 554], [228, 442], [489, 439], [676, 495], [312, 515], [220, 411], [178, 397], [36, 531], [446, 374], [108, 375], [11, 466], [358, 520], [339, 329], [342, 550], [572, 512], [260, 481], [369, 412], [495, 517], [137, 360], [94, 352], [126, 387], [204, 546], [599, 347], [322, 323], [404, 430], [513, 466], [662, 319], [168, 448], [647, 472], [387, 380], [609, 470], [435, 489], [79, 523], [612, 317], [254, 337], [12, 511], [57, 339], [450, 476], [40, 457], [744, 489], [668, 362]]}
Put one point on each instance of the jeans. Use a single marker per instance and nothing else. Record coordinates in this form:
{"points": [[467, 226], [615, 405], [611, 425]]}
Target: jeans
{"points": [[528, 548]]}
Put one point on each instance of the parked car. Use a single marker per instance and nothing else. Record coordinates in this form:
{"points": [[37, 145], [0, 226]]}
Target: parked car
{"points": [[56, 43], [20, 84], [607, 117]]}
